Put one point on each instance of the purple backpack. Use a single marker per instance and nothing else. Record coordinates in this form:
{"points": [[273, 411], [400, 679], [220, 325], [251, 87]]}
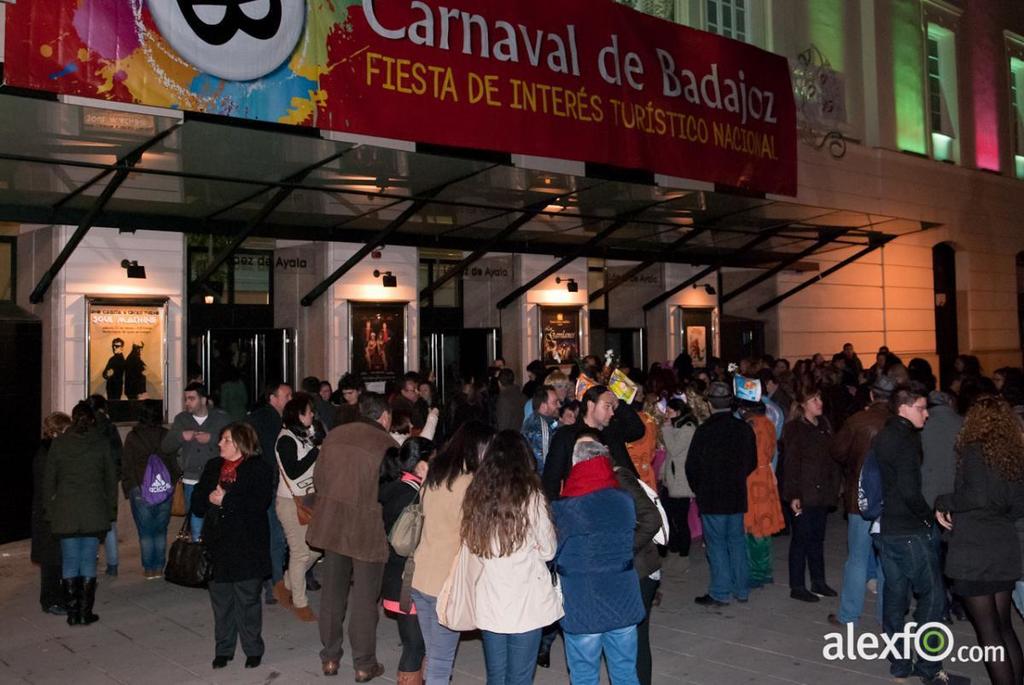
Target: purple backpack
{"points": [[156, 482]]}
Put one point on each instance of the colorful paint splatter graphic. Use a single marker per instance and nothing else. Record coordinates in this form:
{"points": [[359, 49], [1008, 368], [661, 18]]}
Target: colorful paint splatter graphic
{"points": [[113, 49]]}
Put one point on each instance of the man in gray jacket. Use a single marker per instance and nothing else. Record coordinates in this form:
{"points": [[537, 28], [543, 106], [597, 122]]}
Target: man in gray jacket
{"points": [[193, 436], [938, 472], [938, 437]]}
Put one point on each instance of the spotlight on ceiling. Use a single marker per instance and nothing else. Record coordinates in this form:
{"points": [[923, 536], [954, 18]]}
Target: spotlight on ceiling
{"points": [[570, 284], [388, 279], [133, 269]]}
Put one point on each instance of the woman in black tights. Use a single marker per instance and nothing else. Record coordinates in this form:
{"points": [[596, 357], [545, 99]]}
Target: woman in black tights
{"points": [[984, 555]]}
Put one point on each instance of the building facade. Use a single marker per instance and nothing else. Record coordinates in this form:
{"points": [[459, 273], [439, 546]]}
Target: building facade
{"points": [[909, 113]]}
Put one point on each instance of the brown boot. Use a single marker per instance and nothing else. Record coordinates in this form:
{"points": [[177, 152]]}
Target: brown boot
{"points": [[410, 678], [282, 594], [304, 614]]}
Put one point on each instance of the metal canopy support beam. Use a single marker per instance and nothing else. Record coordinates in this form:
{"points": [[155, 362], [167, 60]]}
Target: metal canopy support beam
{"points": [[715, 266], [409, 212], [121, 170], [83, 227], [642, 266], [876, 243], [615, 225], [265, 211], [528, 215], [826, 236], [133, 157]]}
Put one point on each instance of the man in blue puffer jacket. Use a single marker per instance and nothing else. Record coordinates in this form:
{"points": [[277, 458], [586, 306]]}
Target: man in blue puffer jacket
{"points": [[595, 520]]}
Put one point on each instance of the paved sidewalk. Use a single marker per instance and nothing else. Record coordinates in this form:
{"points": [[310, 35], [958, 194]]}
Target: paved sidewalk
{"points": [[153, 633]]}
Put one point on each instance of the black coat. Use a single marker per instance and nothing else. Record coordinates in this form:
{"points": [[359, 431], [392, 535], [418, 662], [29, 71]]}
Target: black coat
{"points": [[45, 547], [237, 533], [267, 423], [984, 506], [722, 454], [898, 451], [394, 497], [80, 485], [625, 426], [810, 475]]}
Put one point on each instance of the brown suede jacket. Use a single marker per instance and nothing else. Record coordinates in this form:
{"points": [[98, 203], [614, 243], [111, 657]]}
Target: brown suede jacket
{"points": [[851, 444]]}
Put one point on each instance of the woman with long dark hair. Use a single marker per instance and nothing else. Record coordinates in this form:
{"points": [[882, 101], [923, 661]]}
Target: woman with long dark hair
{"points": [[677, 433], [297, 447], [984, 557], [45, 547], [402, 473], [151, 520], [810, 485], [507, 525], [233, 495], [80, 502], [444, 489]]}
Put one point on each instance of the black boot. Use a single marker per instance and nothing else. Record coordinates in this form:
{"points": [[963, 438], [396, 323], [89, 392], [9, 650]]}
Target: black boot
{"points": [[88, 600], [73, 599]]}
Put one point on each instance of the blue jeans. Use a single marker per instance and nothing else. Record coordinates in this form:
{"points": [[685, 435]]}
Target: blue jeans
{"points": [[79, 557], [511, 657], [442, 644], [278, 545], [151, 522], [583, 652], [196, 522], [1018, 596], [860, 562], [911, 567], [110, 545], [726, 544]]}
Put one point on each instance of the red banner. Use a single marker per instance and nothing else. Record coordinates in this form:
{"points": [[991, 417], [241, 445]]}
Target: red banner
{"points": [[584, 80]]}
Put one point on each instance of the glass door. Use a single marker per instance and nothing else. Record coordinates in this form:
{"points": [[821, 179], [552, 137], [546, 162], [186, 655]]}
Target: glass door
{"points": [[251, 357]]}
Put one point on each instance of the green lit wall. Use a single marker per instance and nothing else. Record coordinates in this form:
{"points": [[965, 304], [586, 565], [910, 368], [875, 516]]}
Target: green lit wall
{"points": [[825, 22], [908, 75]]}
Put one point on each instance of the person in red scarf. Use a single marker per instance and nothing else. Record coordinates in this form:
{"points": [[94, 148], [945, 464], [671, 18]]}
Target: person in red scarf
{"points": [[595, 520], [233, 495]]}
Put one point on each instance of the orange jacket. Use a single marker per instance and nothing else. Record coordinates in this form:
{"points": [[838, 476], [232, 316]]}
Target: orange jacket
{"points": [[641, 452], [764, 508]]}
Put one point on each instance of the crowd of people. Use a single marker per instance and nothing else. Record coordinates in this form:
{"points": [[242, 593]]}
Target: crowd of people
{"points": [[546, 509]]}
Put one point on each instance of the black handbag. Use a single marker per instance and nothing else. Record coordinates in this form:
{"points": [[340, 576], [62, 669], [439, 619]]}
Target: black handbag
{"points": [[188, 562]]}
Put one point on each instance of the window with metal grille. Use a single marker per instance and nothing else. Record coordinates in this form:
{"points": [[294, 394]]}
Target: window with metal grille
{"points": [[1017, 113], [934, 86], [729, 18], [941, 81], [664, 9]]}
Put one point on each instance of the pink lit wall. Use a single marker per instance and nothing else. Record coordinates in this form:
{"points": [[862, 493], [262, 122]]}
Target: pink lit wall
{"points": [[983, 41]]}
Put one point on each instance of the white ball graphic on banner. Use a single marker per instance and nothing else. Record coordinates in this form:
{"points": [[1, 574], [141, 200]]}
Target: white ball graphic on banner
{"points": [[236, 40]]}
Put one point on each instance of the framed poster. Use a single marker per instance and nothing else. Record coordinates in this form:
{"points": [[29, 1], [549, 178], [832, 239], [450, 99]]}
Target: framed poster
{"points": [[377, 340], [559, 335], [697, 345], [126, 353]]}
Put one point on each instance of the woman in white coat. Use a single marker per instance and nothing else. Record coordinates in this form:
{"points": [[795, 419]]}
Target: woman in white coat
{"points": [[677, 432], [507, 525]]}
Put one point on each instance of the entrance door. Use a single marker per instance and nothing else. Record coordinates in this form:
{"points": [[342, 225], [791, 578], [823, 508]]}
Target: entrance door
{"points": [[741, 338], [947, 344], [627, 344], [254, 356], [694, 334], [21, 368], [458, 355]]}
